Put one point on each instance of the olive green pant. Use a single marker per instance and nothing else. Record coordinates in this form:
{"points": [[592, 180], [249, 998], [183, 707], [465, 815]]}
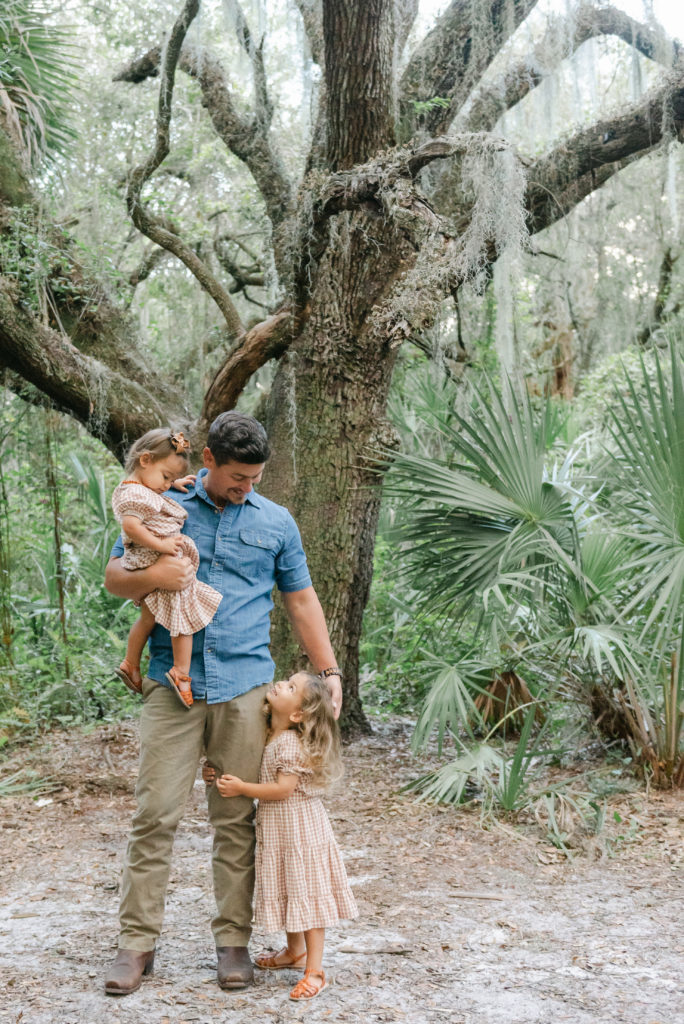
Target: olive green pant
{"points": [[172, 741]]}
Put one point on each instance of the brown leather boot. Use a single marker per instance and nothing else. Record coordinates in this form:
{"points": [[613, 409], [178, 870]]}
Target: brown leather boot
{"points": [[126, 973], [235, 969]]}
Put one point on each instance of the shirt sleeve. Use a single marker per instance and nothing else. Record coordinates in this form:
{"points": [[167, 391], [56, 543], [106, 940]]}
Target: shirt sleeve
{"points": [[291, 570], [290, 756], [117, 549]]}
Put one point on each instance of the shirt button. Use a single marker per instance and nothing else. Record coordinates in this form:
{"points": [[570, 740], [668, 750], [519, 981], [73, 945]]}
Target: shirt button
{"points": [[210, 650]]}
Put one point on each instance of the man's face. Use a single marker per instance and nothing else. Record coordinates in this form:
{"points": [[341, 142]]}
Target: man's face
{"points": [[232, 481]]}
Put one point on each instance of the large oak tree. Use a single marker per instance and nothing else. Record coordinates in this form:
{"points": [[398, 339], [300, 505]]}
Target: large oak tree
{"points": [[367, 245]]}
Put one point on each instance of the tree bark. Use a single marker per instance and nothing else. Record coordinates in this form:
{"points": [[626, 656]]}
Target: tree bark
{"points": [[359, 79], [327, 421]]}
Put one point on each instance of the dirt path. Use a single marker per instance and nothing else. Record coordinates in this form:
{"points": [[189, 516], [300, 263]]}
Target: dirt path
{"points": [[457, 923]]}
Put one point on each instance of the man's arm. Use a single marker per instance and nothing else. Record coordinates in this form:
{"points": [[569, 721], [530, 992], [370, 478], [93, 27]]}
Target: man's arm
{"points": [[167, 573], [308, 623]]}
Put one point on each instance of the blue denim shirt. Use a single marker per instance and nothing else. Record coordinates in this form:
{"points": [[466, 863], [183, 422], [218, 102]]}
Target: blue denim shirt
{"points": [[244, 551]]}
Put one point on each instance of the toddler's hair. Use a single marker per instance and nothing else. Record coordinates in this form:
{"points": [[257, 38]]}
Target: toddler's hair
{"points": [[319, 732], [156, 443]]}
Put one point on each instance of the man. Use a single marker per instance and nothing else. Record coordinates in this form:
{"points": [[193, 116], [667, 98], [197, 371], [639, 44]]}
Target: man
{"points": [[247, 545]]}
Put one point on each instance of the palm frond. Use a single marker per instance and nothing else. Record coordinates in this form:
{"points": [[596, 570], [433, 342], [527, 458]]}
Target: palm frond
{"points": [[38, 74], [450, 703], [448, 783]]}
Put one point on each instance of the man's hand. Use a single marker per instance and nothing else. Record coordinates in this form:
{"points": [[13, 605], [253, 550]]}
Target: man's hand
{"points": [[230, 785], [173, 573], [335, 687]]}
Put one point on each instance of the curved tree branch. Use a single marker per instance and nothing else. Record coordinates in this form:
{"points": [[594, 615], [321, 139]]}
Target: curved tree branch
{"points": [[563, 37], [151, 259], [562, 178], [112, 405], [246, 137], [143, 220], [265, 341], [242, 276], [311, 12], [255, 52], [556, 183], [454, 55]]}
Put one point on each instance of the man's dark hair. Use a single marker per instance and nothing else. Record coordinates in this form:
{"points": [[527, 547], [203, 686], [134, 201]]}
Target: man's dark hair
{"points": [[234, 437]]}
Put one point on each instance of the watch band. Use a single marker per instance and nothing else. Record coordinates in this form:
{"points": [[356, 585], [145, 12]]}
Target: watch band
{"points": [[332, 671]]}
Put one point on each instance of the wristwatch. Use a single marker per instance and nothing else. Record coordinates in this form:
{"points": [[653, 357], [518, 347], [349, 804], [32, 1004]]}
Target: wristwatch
{"points": [[333, 671]]}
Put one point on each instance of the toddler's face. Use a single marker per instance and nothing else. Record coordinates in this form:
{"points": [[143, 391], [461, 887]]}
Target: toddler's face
{"points": [[286, 696], [159, 475]]}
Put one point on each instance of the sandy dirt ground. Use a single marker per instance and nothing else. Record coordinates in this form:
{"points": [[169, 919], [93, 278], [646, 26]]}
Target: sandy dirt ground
{"points": [[459, 923]]}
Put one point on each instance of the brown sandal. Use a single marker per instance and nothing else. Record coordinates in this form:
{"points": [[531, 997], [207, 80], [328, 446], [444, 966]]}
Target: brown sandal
{"points": [[304, 989], [125, 674], [174, 678], [269, 961]]}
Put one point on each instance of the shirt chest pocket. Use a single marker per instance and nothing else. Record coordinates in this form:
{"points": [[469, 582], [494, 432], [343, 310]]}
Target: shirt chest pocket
{"points": [[256, 553]]}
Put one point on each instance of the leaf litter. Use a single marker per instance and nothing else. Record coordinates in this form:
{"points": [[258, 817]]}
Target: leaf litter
{"points": [[458, 922]]}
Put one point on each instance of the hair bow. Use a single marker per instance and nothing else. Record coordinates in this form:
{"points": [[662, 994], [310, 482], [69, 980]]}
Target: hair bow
{"points": [[179, 443]]}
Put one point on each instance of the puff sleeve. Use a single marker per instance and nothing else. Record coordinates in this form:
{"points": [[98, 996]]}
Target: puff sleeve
{"points": [[290, 758], [133, 500]]}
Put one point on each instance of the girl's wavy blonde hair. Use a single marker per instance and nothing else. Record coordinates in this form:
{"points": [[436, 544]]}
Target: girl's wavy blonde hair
{"points": [[318, 731]]}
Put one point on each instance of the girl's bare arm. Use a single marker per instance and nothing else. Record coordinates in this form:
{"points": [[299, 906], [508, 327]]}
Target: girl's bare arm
{"points": [[139, 534], [285, 785]]}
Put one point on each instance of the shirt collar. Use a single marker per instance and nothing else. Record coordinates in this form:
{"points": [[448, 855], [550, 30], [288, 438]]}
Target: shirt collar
{"points": [[251, 499]]}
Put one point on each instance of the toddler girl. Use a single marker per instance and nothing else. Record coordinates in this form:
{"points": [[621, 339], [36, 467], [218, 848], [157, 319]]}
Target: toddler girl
{"points": [[150, 527], [301, 884]]}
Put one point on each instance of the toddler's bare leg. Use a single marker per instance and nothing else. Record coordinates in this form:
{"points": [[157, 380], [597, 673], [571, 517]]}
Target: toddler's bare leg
{"points": [[178, 676], [315, 940], [313, 981], [129, 669], [182, 652], [296, 943]]}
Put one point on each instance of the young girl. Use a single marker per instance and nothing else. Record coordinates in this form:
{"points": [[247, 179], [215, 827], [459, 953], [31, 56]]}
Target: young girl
{"points": [[150, 527], [301, 884]]}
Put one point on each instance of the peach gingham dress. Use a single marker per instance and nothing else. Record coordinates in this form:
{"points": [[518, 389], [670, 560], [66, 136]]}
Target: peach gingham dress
{"points": [[300, 878], [182, 612]]}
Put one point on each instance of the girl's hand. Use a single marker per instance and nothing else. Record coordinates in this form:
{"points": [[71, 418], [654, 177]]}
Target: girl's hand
{"points": [[171, 545], [230, 785], [183, 482], [208, 773]]}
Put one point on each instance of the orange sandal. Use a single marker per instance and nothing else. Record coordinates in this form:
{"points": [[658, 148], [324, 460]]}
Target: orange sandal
{"points": [[180, 684], [305, 989], [125, 673], [270, 962]]}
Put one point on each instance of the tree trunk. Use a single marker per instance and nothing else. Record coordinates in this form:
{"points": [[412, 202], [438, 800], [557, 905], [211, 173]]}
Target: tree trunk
{"points": [[327, 422]]}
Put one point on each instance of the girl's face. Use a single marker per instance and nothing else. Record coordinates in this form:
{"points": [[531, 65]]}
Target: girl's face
{"points": [[286, 696], [159, 475]]}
